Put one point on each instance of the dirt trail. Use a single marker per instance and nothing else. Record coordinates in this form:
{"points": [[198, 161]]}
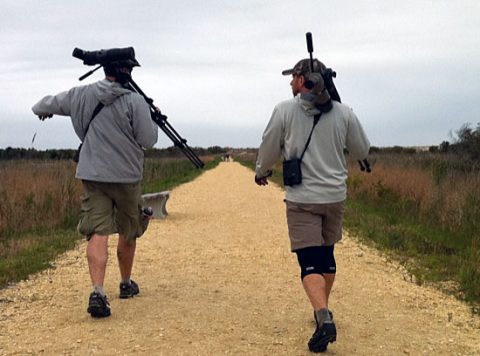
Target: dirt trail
{"points": [[217, 277]]}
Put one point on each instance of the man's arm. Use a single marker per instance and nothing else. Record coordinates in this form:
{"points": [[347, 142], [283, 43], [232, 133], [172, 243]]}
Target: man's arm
{"points": [[53, 105], [357, 142], [270, 148], [145, 130]]}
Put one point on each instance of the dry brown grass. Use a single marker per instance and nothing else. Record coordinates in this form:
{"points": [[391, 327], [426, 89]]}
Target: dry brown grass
{"points": [[446, 200], [39, 206], [37, 194]]}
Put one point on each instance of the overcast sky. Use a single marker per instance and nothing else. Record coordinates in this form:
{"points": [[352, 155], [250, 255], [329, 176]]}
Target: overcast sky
{"points": [[409, 69]]}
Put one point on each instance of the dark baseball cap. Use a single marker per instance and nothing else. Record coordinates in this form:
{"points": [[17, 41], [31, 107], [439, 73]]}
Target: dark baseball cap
{"points": [[303, 67]]}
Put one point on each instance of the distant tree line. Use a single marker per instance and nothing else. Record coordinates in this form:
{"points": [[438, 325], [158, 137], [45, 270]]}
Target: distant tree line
{"points": [[467, 142], [10, 153], [466, 145], [393, 149], [31, 153]]}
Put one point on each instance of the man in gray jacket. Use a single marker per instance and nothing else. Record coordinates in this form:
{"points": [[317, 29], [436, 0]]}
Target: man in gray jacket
{"points": [[115, 126], [314, 207]]}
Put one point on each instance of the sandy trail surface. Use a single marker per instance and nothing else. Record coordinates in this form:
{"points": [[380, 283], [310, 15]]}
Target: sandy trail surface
{"points": [[217, 277]]}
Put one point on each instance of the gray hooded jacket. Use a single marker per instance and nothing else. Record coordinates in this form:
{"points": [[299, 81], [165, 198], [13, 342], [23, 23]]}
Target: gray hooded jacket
{"points": [[112, 148], [324, 168]]}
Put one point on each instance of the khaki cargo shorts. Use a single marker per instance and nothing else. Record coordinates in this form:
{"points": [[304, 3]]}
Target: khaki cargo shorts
{"points": [[109, 208], [314, 224]]}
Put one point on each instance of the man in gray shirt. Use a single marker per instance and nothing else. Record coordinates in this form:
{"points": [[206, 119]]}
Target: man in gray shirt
{"points": [[315, 206], [114, 125]]}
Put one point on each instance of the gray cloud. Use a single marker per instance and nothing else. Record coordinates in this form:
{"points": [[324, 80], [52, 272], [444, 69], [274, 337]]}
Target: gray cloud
{"points": [[409, 69]]}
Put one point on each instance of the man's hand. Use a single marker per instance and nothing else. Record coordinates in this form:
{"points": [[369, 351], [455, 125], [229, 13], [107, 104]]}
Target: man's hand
{"points": [[263, 180], [44, 117]]}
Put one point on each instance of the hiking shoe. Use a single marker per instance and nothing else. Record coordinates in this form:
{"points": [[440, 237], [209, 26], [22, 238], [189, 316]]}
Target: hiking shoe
{"points": [[128, 290], [98, 305], [323, 335]]}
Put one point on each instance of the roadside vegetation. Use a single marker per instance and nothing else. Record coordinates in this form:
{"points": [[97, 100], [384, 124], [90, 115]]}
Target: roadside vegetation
{"points": [[39, 207], [422, 208], [425, 209]]}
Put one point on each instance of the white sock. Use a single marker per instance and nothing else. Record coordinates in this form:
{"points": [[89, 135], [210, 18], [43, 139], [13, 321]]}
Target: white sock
{"points": [[99, 290]]}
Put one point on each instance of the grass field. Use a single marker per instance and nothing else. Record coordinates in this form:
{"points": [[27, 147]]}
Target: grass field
{"points": [[39, 207], [424, 210]]}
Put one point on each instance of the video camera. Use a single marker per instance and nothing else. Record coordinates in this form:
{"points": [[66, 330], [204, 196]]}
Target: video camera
{"points": [[125, 57]]}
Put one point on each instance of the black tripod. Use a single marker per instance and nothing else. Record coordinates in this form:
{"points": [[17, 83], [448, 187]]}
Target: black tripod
{"points": [[161, 121], [328, 76]]}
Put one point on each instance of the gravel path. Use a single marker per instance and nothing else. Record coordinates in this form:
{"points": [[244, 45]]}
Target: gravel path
{"points": [[217, 278]]}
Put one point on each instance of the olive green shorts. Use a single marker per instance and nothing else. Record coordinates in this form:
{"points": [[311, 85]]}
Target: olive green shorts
{"points": [[314, 224], [109, 208]]}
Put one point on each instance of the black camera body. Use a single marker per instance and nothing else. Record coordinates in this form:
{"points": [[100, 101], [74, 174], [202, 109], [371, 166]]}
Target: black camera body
{"points": [[117, 62], [106, 56]]}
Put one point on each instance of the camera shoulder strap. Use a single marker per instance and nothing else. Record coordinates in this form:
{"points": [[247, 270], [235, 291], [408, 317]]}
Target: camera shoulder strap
{"points": [[97, 109], [316, 119], [76, 156]]}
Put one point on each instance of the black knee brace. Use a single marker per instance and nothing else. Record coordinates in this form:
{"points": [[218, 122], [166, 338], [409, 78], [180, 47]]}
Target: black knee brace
{"points": [[316, 260]]}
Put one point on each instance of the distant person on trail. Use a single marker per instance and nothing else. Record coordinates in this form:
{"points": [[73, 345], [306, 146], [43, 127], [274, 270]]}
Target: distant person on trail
{"points": [[115, 126], [314, 206]]}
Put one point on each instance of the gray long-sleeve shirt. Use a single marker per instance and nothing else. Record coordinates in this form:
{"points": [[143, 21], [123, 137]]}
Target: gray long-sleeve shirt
{"points": [[112, 148], [324, 168]]}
